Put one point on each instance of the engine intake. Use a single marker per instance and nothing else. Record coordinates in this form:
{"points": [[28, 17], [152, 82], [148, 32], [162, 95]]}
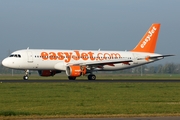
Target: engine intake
{"points": [[75, 70]]}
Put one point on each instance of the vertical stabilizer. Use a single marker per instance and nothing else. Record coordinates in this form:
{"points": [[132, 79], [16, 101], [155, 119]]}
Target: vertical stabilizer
{"points": [[148, 42]]}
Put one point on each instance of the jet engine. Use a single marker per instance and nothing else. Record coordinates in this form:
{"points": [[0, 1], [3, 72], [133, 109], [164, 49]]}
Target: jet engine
{"points": [[75, 70], [47, 73]]}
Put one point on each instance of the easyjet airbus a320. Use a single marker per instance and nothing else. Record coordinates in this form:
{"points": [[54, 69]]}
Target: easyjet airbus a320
{"points": [[77, 63]]}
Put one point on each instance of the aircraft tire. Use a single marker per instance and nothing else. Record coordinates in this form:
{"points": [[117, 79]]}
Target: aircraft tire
{"points": [[72, 78], [25, 77], [91, 77]]}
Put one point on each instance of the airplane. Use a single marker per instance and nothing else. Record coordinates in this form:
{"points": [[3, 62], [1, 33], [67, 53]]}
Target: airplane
{"points": [[76, 63]]}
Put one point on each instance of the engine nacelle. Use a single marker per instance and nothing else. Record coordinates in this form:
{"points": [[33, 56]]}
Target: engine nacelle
{"points": [[47, 73], [75, 70]]}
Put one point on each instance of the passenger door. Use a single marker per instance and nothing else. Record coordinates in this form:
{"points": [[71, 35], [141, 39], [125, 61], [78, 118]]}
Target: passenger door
{"points": [[30, 57]]}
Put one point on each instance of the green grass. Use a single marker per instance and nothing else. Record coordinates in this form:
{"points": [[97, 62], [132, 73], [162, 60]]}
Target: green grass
{"points": [[88, 98], [98, 77], [12, 113]]}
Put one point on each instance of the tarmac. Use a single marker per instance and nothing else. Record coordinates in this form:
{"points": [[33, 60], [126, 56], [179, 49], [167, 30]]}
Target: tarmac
{"points": [[93, 81]]}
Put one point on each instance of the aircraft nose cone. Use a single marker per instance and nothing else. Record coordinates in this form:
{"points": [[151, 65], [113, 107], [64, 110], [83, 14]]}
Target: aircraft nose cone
{"points": [[5, 63]]}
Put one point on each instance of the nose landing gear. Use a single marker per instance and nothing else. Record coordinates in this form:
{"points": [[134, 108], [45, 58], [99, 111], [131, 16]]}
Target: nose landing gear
{"points": [[25, 77], [27, 73]]}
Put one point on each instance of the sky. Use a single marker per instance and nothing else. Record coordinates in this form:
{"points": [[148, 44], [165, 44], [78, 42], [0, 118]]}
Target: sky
{"points": [[88, 25]]}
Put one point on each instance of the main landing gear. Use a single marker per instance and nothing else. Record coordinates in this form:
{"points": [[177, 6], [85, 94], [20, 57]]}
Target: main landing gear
{"points": [[27, 73], [91, 77], [72, 78]]}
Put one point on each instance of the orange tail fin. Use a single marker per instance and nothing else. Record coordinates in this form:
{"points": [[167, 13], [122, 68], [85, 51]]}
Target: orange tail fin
{"points": [[148, 42]]}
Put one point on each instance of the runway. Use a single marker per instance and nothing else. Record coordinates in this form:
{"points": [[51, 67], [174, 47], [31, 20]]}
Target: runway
{"points": [[88, 81]]}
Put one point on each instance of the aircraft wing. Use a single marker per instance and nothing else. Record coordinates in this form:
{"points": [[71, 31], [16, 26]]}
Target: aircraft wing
{"points": [[115, 61], [105, 62]]}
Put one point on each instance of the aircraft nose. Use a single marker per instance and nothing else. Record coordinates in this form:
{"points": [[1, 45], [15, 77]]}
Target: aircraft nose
{"points": [[5, 62]]}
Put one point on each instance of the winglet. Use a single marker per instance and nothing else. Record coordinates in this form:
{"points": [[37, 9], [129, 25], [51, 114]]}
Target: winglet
{"points": [[148, 42]]}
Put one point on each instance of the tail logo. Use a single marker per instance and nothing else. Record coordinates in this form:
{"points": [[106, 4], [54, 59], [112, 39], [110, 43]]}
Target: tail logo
{"points": [[148, 38]]}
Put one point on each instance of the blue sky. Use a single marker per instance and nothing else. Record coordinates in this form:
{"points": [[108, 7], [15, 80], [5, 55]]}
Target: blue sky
{"points": [[88, 24]]}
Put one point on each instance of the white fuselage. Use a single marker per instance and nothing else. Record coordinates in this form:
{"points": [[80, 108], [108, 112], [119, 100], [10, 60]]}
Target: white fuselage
{"points": [[36, 59]]}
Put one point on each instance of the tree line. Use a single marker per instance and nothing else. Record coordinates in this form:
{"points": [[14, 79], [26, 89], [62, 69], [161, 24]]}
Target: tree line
{"points": [[168, 68]]}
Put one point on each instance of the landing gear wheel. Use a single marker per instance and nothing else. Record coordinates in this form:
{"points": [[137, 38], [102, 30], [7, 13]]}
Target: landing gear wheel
{"points": [[25, 77], [91, 77], [72, 78]]}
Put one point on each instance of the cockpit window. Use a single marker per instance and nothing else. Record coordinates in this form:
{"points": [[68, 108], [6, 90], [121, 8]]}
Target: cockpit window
{"points": [[11, 55], [15, 55]]}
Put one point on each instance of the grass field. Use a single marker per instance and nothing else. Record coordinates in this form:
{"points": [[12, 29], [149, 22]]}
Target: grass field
{"points": [[52, 100]]}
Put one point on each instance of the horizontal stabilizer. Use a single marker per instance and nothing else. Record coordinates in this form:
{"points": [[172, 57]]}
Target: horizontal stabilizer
{"points": [[161, 56]]}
